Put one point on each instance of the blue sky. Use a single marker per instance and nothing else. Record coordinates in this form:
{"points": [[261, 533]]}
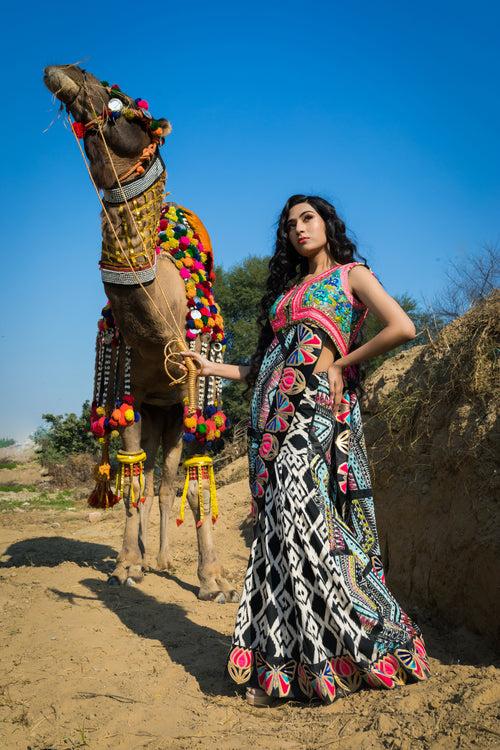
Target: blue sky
{"points": [[390, 110]]}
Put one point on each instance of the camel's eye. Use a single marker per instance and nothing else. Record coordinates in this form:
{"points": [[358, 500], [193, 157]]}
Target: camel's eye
{"points": [[116, 106]]}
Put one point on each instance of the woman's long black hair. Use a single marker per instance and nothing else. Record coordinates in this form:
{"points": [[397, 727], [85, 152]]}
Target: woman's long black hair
{"points": [[286, 266]]}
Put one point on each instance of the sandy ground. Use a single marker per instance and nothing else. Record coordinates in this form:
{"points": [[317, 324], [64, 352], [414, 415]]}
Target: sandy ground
{"points": [[85, 665]]}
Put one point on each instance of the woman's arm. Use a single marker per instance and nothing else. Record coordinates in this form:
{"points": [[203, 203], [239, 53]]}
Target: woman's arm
{"points": [[219, 369], [398, 328]]}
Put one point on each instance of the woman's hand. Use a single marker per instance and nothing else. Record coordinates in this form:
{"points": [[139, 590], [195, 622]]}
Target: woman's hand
{"points": [[337, 386], [203, 365]]}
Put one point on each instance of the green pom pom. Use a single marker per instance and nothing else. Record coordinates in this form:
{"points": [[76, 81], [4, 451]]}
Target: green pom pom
{"points": [[202, 428], [154, 124], [105, 83]]}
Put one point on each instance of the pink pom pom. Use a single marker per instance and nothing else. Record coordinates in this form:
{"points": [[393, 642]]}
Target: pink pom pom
{"points": [[157, 250], [198, 265], [191, 335], [184, 241], [142, 103], [185, 273]]}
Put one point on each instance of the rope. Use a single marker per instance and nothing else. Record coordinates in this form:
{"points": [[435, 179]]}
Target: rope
{"points": [[99, 127], [188, 362]]}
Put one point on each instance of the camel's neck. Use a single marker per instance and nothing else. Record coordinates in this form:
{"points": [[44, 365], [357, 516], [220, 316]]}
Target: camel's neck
{"points": [[132, 238]]}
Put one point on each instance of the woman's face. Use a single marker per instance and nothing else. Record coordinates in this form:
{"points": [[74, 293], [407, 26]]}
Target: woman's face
{"points": [[306, 230]]}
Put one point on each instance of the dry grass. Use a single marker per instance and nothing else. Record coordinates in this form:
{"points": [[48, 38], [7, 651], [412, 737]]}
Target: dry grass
{"points": [[458, 369]]}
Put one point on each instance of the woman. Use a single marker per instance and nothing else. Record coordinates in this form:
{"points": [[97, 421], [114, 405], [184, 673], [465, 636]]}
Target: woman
{"points": [[316, 618]]}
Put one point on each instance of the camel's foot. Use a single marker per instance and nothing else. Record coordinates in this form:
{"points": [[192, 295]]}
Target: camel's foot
{"points": [[164, 562], [218, 590], [126, 574]]}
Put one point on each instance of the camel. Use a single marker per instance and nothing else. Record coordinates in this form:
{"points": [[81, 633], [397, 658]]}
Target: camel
{"points": [[148, 316]]}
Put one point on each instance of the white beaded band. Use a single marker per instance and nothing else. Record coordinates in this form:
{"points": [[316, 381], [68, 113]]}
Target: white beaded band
{"points": [[135, 188], [127, 276]]}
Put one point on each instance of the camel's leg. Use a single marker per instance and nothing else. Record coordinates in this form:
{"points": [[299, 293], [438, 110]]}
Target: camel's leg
{"points": [[130, 559], [172, 449], [213, 586], [152, 427]]}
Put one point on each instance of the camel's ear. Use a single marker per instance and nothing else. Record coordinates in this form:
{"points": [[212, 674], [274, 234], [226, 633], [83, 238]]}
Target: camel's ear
{"points": [[165, 126]]}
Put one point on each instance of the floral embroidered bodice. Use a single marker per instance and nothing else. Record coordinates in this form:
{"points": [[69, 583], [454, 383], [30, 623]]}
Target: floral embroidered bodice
{"points": [[325, 301]]}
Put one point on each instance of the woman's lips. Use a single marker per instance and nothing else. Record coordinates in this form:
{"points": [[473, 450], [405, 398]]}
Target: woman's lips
{"points": [[302, 240]]}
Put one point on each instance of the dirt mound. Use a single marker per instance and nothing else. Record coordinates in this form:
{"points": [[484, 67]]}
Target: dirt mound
{"points": [[431, 421]]}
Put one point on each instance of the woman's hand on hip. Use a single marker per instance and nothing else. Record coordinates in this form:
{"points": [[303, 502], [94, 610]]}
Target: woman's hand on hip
{"points": [[337, 385]]}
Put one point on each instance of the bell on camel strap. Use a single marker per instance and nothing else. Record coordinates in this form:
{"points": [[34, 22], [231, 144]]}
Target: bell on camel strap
{"points": [[199, 468], [132, 465]]}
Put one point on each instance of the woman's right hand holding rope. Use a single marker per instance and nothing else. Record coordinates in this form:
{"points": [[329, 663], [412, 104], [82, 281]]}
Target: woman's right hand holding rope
{"points": [[204, 366]]}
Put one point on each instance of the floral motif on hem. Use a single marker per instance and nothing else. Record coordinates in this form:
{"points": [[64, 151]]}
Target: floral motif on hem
{"points": [[333, 677]]}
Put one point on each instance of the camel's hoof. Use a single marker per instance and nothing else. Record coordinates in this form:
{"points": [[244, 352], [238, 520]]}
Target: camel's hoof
{"points": [[114, 581], [212, 596], [233, 596], [130, 582], [165, 565]]}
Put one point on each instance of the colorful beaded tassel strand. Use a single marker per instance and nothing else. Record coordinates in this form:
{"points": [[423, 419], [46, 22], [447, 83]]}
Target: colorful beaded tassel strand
{"points": [[131, 465], [199, 468]]}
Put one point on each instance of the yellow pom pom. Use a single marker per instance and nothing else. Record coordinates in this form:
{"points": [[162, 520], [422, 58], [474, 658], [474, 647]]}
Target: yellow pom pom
{"points": [[218, 420], [101, 411], [115, 433], [100, 440], [198, 323], [190, 422], [217, 433], [129, 415]]}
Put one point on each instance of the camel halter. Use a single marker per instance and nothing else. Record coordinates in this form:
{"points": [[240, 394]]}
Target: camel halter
{"points": [[174, 342]]}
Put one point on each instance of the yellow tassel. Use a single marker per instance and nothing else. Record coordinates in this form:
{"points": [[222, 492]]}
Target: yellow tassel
{"points": [[129, 459], [196, 465], [214, 507], [183, 500], [201, 499]]}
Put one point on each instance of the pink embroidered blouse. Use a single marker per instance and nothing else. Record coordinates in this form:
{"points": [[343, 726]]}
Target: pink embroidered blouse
{"points": [[325, 301]]}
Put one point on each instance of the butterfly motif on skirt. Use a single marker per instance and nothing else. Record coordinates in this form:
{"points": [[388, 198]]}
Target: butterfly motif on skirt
{"points": [[285, 410], [322, 681], [307, 342], [275, 680]]}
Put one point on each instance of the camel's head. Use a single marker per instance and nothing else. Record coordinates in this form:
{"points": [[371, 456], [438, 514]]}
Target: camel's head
{"points": [[104, 110]]}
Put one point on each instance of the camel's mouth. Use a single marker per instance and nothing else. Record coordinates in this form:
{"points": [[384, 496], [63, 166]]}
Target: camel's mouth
{"points": [[60, 83]]}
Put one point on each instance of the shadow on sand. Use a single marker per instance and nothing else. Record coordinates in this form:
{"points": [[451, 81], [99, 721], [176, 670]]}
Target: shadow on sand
{"points": [[50, 551], [200, 650]]}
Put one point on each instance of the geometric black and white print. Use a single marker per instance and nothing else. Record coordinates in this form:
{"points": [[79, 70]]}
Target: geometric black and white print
{"points": [[314, 590]]}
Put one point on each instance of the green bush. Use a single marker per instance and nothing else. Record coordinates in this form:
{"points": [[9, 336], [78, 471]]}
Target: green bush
{"points": [[64, 435], [6, 442]]}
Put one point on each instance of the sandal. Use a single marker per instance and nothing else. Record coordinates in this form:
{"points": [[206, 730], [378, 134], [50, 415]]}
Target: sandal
{"points": [[259, 698]]}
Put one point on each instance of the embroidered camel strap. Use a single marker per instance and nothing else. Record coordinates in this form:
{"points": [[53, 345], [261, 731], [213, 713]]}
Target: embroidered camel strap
{"points": [[199, 468]]}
